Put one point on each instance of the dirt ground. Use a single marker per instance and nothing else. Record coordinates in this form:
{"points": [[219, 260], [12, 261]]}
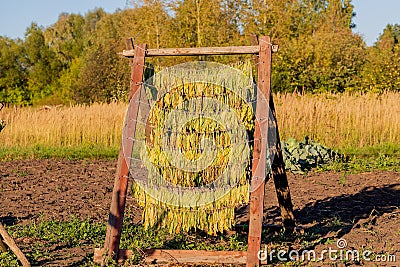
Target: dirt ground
{"points": [[363, 209]]}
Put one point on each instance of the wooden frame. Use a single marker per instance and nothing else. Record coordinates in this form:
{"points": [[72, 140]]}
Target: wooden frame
{"points": [[111, 247]]}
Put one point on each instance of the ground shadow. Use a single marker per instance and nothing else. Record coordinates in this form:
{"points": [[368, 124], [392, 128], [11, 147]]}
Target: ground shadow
{"points": [[9, 220], [341, 213], [338, 214]]}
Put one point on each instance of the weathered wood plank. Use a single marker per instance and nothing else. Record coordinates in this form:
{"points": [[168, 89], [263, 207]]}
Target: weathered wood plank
{"points": [[161, 256], [196, 51], [123, 255], [278, 172], [259, 153], [116, 215], [195, 256]]}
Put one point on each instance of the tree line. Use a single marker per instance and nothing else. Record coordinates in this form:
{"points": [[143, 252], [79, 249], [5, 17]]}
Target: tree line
{"points": [[75, 59]]}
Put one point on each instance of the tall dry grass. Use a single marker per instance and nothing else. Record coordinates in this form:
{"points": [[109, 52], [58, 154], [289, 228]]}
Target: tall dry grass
{"points": [[341, 120], [338, 121], [80, 125]]}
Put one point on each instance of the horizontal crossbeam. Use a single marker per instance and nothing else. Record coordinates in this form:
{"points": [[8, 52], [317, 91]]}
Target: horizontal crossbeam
{"points": [[196, 51]]}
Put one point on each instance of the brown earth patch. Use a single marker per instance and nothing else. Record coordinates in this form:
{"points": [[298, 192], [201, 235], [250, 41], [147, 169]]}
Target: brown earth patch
{"points": [[364, 209]]}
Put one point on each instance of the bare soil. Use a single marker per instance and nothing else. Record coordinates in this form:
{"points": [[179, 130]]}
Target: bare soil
{"points": [[363, 209]]}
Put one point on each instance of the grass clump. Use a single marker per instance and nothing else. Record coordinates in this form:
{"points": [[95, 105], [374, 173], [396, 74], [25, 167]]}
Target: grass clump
{"points": [[8, 259], [71, 233], [46, 152]]}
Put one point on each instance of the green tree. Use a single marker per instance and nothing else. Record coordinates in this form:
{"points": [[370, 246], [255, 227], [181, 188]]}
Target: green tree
{"points": [[338, 15], [72, 38], [205, 23], [103, 76], [382, 70], [330, 58], [13, 80], [147, 22], [66, 37], [69, 81], [271, 18], [41, 64], [92, 18], [389, 38]]}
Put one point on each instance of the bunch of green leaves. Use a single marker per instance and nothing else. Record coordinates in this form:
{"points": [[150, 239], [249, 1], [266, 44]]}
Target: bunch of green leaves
{"points": [[302, 156]]}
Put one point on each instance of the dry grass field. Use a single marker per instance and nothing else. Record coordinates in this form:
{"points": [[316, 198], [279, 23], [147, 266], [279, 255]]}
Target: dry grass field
{"points": [[339, 121]]}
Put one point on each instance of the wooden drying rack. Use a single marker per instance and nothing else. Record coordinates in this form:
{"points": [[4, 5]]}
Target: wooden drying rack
{"points": [[263, 49]]}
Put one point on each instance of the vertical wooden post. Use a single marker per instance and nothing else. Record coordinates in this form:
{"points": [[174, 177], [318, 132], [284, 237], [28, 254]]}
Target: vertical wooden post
{"points": [[278, 168], [259, 154], [116, 215]]}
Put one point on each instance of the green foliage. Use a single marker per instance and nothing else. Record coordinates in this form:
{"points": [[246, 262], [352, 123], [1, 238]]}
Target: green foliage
{"points": [[369, 164], [389, 38], [148, 23], [71, 233], [325, 62], [204, 23], [381, 71], [13, 78], [66, 37], [103, 77], [301, 157], [54, 233], [74, 60], [69, 78], [42, 66]]}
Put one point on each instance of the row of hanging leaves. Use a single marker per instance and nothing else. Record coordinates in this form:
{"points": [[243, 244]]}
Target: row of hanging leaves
{"points": [[217, 215]]}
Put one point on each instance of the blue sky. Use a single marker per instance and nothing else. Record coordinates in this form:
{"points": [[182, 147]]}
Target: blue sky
{"points": [[373, 16], [17, 15]]}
